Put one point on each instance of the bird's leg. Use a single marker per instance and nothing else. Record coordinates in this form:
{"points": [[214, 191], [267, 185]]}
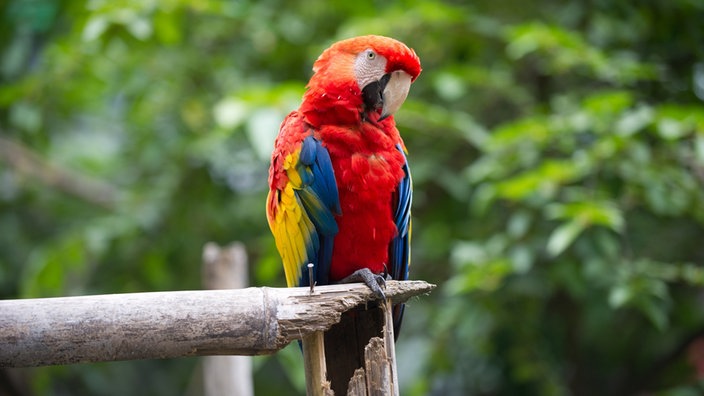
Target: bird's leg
{"points": [[374, 281]]}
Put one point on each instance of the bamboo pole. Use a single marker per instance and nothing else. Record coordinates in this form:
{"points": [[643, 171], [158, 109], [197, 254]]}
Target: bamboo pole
{"points": [[252, 321]]}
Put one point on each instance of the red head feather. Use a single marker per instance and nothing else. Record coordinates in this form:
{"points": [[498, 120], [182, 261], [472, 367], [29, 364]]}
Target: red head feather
{"points": [[333, 93]]}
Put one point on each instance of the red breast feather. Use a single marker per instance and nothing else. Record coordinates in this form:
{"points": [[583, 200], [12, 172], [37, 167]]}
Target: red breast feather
{"points": [[368, 169], [368, 166]]}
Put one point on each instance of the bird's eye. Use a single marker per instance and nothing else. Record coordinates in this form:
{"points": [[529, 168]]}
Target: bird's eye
{"points": [[370, 55]]}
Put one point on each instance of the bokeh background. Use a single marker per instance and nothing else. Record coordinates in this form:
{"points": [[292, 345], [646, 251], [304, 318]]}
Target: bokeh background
{"points": [[557, 150]]}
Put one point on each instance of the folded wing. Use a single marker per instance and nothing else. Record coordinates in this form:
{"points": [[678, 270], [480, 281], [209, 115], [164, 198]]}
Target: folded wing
{"points": [[400, 246], [302, 203]]}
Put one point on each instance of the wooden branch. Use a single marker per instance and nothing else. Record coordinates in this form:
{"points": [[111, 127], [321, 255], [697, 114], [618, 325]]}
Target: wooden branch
{"points": [[252, 321], [30, 164]]}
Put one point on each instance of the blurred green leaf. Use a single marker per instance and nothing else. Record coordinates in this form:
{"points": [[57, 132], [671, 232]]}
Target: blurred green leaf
{"points": [[589, 213], [486, 276], [563, 236]]}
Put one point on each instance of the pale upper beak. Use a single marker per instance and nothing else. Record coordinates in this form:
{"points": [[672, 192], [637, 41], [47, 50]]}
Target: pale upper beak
{"points": [[395, 92]]}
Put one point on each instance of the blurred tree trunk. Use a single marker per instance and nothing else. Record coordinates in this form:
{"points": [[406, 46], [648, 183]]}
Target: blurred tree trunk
{"points": [[226, 268]]}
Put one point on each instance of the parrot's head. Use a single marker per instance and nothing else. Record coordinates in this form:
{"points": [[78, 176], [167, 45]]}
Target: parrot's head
{"points": [[367, 74]]}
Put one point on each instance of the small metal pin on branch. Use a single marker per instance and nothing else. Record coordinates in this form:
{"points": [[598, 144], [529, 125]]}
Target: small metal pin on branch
{"points": [[310, 277]]}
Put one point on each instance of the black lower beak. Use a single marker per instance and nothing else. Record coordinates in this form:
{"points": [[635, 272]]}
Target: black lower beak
{"points": [[373, 93]]}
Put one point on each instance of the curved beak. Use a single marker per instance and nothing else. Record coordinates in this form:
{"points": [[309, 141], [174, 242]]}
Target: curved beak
{"points": [[395, 92]]}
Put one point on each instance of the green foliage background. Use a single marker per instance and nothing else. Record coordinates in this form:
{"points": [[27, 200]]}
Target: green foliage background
{"points": [[557, 150]]}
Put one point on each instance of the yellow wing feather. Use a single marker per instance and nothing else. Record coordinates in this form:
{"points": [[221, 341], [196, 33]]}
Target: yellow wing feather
{"points": [[290, 225]]}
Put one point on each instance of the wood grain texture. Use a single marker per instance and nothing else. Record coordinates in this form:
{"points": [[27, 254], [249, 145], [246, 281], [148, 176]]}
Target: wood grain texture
{"points": [[345, 342], [378, 370], [314, 365], [390, 346], [358, 384], [252, 321], [352, 355]]}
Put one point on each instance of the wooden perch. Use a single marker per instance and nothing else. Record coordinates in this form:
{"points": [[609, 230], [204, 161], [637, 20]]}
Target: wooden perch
{"points": [[252, 321]]}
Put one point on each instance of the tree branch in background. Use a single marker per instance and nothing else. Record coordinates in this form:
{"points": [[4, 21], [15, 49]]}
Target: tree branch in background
{"points": [[30, 164]]}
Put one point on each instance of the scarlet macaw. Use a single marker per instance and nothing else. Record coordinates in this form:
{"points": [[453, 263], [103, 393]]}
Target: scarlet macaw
{"points": [[340, 186]]}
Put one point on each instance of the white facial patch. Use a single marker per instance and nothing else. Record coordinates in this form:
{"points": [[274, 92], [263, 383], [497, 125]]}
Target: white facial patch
{"points": [[369, 67]]}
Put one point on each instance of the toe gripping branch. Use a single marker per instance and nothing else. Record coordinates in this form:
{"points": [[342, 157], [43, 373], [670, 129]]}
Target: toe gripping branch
{"points": [[376, 282]]}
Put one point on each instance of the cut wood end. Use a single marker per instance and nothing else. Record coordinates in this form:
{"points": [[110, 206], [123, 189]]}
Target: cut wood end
{"points": [[400, 291], [300, 312], [397, 291]]}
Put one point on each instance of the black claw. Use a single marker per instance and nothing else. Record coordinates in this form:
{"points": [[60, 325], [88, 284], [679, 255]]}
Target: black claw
{"points": [[374, 281]]}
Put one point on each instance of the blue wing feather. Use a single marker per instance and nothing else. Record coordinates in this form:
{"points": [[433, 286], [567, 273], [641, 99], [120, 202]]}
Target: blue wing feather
{"points": [[399, 250], [400, 247], [325, 176], [320, 199]]}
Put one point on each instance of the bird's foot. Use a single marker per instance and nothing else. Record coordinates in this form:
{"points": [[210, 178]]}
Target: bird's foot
{"points": [[376, 282]]}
